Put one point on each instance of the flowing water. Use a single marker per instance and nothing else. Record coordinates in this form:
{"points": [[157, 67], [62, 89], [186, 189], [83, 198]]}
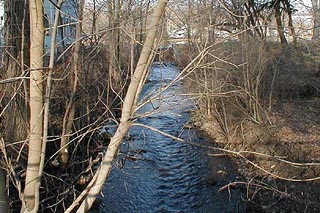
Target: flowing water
{"points": [[156, 173]]}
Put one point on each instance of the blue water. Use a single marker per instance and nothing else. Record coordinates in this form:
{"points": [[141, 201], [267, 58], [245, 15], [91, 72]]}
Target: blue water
{"points": [[155, 173]]}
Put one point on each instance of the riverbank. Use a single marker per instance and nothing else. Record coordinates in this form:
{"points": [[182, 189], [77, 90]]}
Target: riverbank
{"points": [[273, 135], [265, 158]]}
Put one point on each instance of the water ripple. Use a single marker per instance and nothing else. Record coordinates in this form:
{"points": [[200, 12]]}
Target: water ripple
{"points": [[169, 176]]}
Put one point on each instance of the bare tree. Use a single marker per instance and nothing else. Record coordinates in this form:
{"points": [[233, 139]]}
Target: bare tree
{"points": [[277, 14], [316, 19], [31, 191], [114, 76], [97, 182], [71, 106], [15, 62]]}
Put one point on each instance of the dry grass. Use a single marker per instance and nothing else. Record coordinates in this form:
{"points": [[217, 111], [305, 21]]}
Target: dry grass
{"points": [[264, 100]]}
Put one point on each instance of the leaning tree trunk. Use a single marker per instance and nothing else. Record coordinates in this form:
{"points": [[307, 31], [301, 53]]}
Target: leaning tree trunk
{"points": [[96, 184], [31, 191]]}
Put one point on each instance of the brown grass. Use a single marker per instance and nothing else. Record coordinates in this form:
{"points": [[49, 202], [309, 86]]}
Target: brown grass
{"points": [[264, 99]]}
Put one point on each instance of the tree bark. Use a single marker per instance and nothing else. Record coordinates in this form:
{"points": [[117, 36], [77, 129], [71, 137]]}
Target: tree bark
{"points": [[280, 27], [288, 9], [16, 27], [316, 19], [71, 107], [114, 77], [4, 199], [291, 27], [127, 110], [30, 203]]}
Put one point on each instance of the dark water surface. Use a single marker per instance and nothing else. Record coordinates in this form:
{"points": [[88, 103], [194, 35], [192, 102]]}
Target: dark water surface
{"points": [[155, 173]]}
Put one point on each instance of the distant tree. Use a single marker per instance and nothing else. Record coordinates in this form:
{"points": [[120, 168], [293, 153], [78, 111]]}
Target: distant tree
{"points": [[74, 81], [276, 5], [316, 19]]}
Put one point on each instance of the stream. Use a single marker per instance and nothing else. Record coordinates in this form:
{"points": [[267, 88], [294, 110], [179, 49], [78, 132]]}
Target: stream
{"points": [[156, 173]]}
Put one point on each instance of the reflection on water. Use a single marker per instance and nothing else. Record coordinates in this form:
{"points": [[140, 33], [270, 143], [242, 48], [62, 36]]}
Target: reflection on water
{"points": [[155, 173]]}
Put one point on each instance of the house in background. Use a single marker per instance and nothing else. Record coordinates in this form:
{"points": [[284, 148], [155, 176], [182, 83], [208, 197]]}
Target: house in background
{"points": [[66, 33], [67, 24]]}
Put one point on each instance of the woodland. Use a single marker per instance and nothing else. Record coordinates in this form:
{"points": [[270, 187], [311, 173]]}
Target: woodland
{"points": [[68, 67]]}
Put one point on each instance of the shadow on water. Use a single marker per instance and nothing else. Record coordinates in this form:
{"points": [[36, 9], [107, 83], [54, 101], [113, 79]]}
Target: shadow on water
{"points": [[154, 173]]}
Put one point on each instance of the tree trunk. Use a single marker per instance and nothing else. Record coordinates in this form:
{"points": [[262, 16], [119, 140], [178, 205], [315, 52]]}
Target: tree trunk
{"points": [[94, 25], [16, 27], [291, 27], [4, 200], [280, 27], [290, 22], [71, 107], [103, 171], [114, 77], [31, 198], [253, 19], [316, 19]]}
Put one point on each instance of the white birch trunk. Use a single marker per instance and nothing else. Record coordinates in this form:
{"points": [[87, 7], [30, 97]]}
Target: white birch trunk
{"points": [[36, 106]]}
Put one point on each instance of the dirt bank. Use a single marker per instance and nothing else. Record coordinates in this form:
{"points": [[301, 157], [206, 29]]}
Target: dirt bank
{"points": [[266, 114], [276, 160]]}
